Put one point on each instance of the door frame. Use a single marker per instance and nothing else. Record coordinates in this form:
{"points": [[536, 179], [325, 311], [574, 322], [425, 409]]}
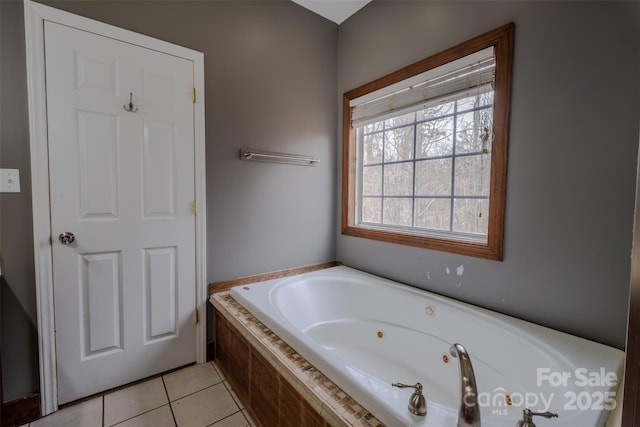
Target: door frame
{"points": [[35, 15]]}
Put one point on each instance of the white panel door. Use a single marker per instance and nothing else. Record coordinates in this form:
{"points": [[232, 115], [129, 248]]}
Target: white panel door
{"points": [[122, 182]]}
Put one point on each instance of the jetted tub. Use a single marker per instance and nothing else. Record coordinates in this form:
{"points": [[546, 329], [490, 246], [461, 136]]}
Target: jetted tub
{"points": [[365, 333]]}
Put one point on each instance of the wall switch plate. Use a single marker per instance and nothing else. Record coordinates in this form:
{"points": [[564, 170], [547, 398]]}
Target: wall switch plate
{"points": [[9, 181]]}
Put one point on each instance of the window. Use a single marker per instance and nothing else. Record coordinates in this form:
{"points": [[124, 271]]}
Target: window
{"points": [[425, 150]]}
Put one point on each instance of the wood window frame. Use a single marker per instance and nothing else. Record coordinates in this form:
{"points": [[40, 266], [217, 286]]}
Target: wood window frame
{"points": [[502, 41]]}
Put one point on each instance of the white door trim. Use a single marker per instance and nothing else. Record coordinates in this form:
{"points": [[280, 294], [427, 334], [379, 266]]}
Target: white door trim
{"points": [[35, 15]]}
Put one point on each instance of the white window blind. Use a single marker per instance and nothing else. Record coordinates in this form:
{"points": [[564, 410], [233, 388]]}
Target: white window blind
{"points": [[453, 79]]}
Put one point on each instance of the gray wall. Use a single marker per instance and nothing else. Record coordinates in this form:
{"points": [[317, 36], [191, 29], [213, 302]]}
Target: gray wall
{"points": [[572, 156], [19, 327], [270, 81]]}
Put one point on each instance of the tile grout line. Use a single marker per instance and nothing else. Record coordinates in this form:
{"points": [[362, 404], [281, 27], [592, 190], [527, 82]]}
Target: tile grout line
{"points": [[194, 392], [221, 382], [175, 422], [140, 414], [228, 416], [150, 410], [228, 387], [234, 398]]}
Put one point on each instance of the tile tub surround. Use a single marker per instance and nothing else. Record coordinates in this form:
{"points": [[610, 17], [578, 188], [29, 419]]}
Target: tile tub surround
{"points": [[281, 364], [225, 285]]}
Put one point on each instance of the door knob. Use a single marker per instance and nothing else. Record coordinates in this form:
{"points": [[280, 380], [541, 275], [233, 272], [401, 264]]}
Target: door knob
{"points": [[66, 238]]}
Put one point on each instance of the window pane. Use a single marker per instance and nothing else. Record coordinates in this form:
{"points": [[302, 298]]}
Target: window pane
{"points": [[471, 216], [372, 148], [373, 127], [474, 101], [467, 103], [372, 181], [433, 214], [435, 111], [435, 138], [398, 144], [485, 99], [372, 209], [398, 179], [433, 177], [405, 119], [397, 211], [471, 128], [472, 175]]}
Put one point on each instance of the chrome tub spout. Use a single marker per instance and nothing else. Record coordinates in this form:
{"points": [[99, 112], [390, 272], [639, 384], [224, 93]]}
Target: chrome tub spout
{"points": [[469, 413]]}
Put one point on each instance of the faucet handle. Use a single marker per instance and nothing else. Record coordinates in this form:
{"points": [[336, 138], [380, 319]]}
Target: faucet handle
{"points": [[527, 417], [417, 386], [417, 402]]}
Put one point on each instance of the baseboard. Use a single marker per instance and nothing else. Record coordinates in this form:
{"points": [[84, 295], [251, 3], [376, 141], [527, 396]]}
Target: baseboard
{"points": [[21, 411]]}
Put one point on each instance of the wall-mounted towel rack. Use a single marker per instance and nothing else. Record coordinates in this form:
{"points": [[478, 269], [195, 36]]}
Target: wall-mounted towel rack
{"points": [[268, 156]]}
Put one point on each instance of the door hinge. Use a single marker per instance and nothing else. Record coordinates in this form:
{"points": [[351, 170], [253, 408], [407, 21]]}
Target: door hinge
{"points": [[197, 316], [194, 208], [194, 95]]}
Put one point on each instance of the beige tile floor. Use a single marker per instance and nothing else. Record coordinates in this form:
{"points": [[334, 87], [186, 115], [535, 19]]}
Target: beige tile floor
{"points": [[195, 396]]}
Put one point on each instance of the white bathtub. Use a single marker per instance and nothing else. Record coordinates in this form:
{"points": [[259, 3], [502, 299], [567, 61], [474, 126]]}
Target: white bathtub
{"points": [[365, 332]]}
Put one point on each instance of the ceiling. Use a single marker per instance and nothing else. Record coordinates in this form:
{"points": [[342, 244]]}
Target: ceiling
{"points": [[334, 10]]}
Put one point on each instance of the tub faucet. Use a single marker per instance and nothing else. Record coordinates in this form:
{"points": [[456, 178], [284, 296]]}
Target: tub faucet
{"points": [[469, 413], [417, 402], [527, 417]]}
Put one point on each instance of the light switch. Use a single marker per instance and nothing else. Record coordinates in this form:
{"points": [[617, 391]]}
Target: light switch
{"points": [[9, 181]]}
